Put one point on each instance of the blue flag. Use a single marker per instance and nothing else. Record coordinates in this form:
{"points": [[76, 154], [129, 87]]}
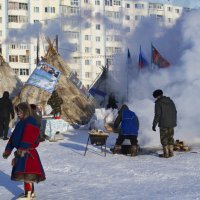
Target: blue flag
{"points": [[142, 63]]}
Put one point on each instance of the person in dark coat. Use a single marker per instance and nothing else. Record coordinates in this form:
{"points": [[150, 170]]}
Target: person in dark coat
{"points": [[6, 112], [166, 118], [55, 102], [127, 126], [112, 102], [27, 166]]}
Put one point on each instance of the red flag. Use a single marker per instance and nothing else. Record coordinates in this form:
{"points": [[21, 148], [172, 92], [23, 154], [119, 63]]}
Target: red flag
{"points": [[157, 58]]}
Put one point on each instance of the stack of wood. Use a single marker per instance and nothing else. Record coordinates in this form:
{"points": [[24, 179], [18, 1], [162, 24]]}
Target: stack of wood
{"points": [[76, 108], [180, 146], [8, 79]]}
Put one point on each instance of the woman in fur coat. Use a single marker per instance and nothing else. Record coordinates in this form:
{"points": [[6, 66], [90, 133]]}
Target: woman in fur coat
{"points": [[26, 164]]}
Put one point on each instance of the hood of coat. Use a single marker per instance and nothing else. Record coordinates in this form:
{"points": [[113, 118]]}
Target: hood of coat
{"points": [[6, 95], [164, 100]]}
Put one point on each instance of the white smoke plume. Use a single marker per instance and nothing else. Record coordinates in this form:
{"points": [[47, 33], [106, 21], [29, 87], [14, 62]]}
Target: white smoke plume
{"points": [[181, 81]]}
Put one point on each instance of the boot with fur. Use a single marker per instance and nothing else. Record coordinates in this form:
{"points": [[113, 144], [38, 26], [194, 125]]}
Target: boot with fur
{"points": [[171, 150], [133, 150], [166, 151], [116, 149]]}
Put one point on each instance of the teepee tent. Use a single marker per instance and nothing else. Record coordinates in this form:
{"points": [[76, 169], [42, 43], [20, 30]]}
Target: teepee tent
{"points": [[76, 107], [8, 79]]}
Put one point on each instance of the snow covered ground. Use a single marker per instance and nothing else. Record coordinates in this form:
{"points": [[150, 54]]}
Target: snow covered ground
{"points": [[73, 176]]}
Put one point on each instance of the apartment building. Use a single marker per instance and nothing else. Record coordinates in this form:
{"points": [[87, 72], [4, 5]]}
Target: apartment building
{"points": [[92, 26]]}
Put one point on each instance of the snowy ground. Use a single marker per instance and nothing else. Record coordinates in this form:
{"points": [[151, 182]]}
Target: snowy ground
{"points": [[73, 176]]}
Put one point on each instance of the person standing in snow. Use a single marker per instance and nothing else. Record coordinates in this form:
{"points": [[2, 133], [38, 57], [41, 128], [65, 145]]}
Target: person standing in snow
{"points": [[166, 118], [127, 125], [26, 164], [6, 111], [55, 102]]}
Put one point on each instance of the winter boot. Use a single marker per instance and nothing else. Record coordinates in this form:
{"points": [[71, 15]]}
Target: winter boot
{"points": [[165, 151], [25, 196], [171, 150], [116, 149], [133, 150]]}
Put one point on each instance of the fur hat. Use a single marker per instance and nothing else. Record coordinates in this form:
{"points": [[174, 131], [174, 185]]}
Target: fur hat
{"points": [[157, 93]]}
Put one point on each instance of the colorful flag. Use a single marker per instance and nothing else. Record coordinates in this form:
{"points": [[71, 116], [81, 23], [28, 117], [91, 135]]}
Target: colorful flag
{"points": [[142, 60], [157, 58]]}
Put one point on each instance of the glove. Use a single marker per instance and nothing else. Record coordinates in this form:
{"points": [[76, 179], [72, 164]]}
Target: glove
{"points": [[153, 128], [6, 154]]}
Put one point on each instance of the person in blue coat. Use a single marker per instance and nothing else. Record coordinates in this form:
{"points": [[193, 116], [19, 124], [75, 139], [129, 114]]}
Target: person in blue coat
{"points": [[127, 125]]}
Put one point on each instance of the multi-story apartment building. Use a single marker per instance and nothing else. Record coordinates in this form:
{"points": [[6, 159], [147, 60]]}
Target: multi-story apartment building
{"points": [[92, 26]]}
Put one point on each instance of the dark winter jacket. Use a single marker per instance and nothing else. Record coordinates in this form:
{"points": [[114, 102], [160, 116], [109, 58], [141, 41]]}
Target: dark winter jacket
{"points": [[165, 113], [55, 102], [6, 106]]}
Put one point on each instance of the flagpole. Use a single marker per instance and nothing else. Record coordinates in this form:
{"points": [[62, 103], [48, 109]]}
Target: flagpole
{"points": [[127, 76], [151, 57]]}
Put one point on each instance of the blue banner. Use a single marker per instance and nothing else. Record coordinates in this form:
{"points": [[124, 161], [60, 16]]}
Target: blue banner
{"points": [[44, 76]]}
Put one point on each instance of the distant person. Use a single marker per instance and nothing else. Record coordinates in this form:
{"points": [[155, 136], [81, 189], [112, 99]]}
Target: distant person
{"points": [[112, 102], [166, 118], [6, 112], [127, 125], [26, 164], [37, 114], [55, 102]]}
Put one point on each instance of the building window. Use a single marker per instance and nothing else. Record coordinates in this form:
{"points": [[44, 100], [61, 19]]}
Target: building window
{"points": [[74, 2], [0, 19], [24, 72], [49, 10], [86, 1], [169, 9], [0, 33], [97, 51], [87, 62], [0, 6], [177, 11], [170, 20], [88, 37], [13, 58], [127, 17], [108, 2], [138, 17], [87, 50], [12, 18], [117, 2], [16, 71], [35, 21], [98, 39], [97, 2], [159, 17], [23, 6], [23, 59], [36, 9], [139, 6], [98, 63], [127, 5], [98, 27], [88, 74]]}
